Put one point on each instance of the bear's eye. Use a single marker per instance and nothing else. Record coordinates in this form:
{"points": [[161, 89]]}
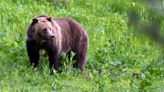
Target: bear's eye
{"points": [[49, 29]]}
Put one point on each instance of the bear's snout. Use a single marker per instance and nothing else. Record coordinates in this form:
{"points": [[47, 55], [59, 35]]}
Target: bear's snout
{"points": [[52, 36]]}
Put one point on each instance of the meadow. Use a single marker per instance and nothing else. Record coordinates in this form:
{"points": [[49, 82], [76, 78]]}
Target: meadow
{"points": [[119, 58]]}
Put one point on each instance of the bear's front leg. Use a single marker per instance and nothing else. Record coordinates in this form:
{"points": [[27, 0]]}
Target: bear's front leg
{"points": [[33, 52], [54, 61]]}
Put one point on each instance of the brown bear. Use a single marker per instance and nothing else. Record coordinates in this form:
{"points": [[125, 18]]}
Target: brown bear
{"points": [[56, 36]]}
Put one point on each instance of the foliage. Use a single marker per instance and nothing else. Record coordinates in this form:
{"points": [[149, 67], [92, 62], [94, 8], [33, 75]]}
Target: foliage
{"points": [[118, 58]]}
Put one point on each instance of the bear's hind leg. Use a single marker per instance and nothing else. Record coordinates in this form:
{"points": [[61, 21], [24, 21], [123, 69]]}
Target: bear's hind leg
{"points": [[80, 60]]}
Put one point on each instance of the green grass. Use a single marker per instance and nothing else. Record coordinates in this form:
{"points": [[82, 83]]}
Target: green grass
{"points": [[118, 60]]}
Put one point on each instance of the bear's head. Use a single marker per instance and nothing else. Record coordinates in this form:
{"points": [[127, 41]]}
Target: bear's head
{"points": [[42, 29]]}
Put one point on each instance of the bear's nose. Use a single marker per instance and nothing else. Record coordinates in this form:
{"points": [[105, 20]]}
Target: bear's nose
{"points": [[52, 36]]}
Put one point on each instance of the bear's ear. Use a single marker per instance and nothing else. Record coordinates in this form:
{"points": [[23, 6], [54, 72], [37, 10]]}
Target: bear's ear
{"points": [[49, 18], [34, 21]]}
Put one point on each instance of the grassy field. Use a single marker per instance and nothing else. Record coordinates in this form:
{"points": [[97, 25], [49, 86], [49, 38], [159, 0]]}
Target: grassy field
{"points": [[119, 59]]}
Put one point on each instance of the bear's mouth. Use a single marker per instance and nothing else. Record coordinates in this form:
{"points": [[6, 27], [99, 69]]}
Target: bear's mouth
{"points": [[43, 42], [46, 41]]}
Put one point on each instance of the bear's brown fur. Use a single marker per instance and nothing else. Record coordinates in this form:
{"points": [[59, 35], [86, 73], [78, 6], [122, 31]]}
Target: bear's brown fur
{"points": [[56, 36]]}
